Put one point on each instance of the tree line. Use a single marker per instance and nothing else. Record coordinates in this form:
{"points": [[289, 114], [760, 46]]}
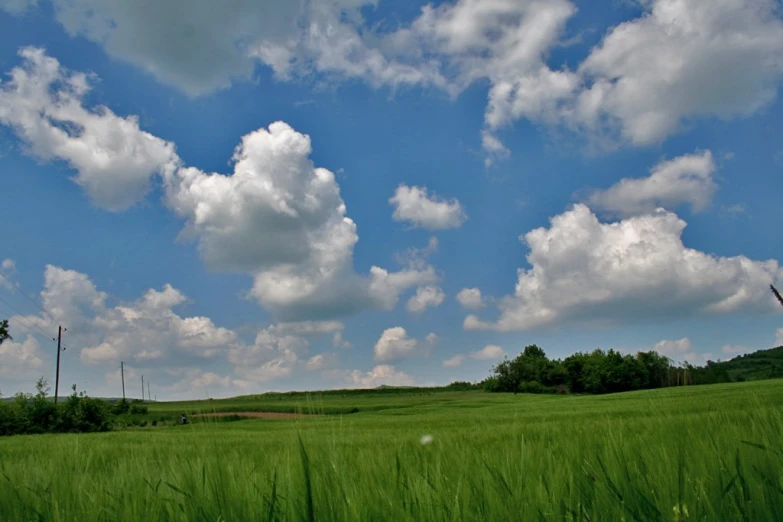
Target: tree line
{"points": [[596, 372], [29, 413]]}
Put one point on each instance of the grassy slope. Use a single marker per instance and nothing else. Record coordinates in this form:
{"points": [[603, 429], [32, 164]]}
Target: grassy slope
{"points": [[494, 457], [331, 402], [763, 364]]}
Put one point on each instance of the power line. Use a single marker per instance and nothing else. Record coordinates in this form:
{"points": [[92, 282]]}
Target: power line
{"points": [[14, 283], [19, 320], [27, 328]]}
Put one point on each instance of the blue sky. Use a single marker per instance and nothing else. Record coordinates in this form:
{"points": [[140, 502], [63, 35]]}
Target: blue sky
{"points": [[418, 189]]}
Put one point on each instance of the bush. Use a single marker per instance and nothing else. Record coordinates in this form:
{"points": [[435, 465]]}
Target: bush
{"points": [[137, 407], [30, 414], [491, 384], [121, 407], [83, 414], [534, 387]]}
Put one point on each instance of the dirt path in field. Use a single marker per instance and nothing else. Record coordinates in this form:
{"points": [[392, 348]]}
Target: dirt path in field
{"points": [[256, 415]]}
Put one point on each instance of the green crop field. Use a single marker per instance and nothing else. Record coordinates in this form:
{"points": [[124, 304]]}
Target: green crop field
{"points": [[692, 453]]}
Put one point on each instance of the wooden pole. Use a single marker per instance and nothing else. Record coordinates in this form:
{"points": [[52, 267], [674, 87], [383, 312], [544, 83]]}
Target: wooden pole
{"points": [[122, 373], [57, 375]]}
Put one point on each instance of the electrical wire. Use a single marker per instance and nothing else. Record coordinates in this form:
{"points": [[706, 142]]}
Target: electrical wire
{"points": [[19, 320], [27, 329], [15, 284]]}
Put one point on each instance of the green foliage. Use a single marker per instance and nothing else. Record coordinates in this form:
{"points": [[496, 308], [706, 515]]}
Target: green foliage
{"points": [[696, 453], [4, 333], [462, 386], [137, 407], [763, 364], [31, 414], [121, 407], [83, 414], [601, 372]]}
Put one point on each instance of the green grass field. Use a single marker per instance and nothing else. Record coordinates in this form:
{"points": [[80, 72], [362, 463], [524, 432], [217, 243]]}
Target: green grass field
{"points": [[696, 453]]}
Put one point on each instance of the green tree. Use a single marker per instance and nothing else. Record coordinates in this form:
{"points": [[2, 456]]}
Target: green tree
{"points": [[4, 335]]}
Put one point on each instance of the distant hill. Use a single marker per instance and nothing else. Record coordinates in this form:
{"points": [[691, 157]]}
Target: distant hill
{"points": [[763, 364]]}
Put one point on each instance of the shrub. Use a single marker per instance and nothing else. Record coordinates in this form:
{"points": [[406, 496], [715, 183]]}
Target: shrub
{"points": [[30, 414], [121, 407], [534, 387], [137, 407], [491, 384]]}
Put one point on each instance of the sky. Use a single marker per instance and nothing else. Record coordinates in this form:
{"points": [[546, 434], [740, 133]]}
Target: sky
{"points": [[280, 195]]}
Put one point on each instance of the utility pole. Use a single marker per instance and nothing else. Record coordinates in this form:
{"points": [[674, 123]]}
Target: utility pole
{"points": [[122, 373], [148, 391], [142, 388], [60, 331], [777, 294]]}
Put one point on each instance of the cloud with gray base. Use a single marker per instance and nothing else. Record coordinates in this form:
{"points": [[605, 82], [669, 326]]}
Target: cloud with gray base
{"points": [[277, 217], [584, 270], [113, 158], [395, 344], [685, 179], [415, 206], [646, 79], [488, 352]]}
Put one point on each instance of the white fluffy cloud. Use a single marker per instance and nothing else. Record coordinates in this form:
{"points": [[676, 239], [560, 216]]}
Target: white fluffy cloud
{"points": [[470, 298], [197, 49], [149, 326], [17, 7], [316, 362], [147, 329], [271, 356], [685, 179], [414, 205], [680, 351], [196, 384], [454, 362], [490, 351], [308, 327], [282, 220], [20, 359], [339, 342], [506, 43], [8, 267], [278, 217], [649, 76], [382, 374], [395, 344], [681, 59], [114, 159], [104, 353], [734, 349], [169, 349], [584, 270], [429, 296]]}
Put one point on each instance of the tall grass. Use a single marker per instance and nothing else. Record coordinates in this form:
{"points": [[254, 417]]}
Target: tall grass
{"points": [[701, 453]]}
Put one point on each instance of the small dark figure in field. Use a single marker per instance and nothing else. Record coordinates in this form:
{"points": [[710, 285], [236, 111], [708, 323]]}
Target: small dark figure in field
{"points": [[183, 419]]}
